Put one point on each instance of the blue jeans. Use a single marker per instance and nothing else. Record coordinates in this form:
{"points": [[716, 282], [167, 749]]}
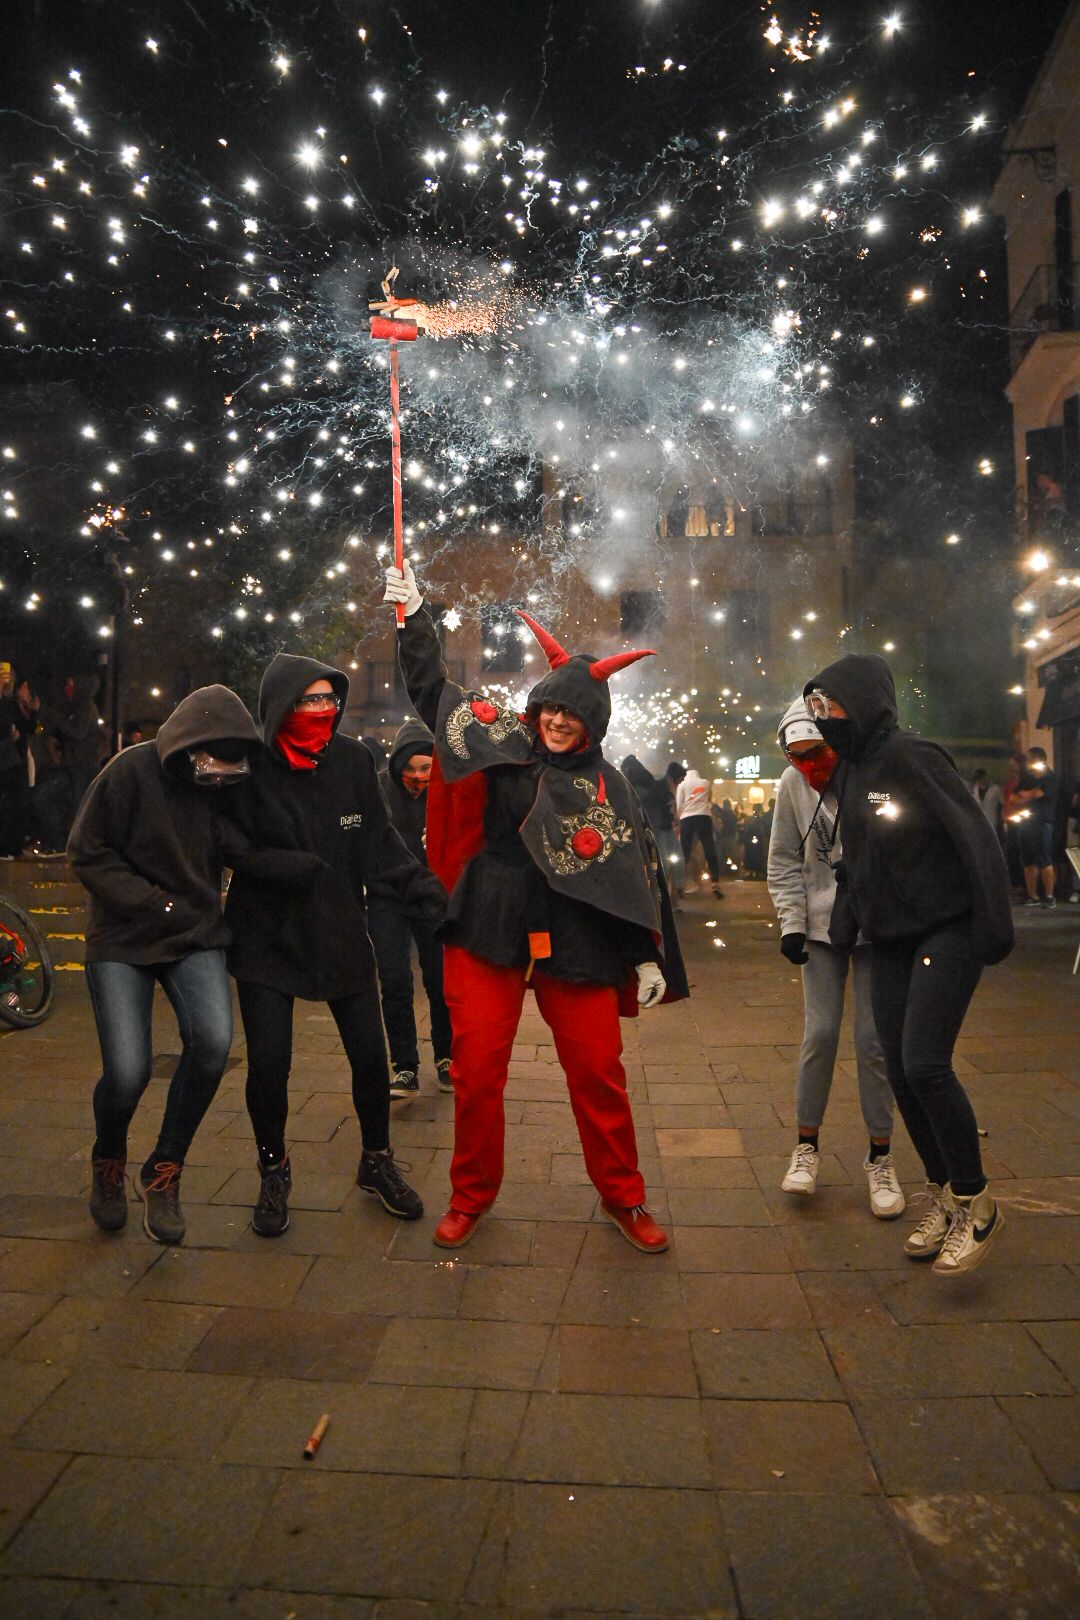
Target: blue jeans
{"points": [[123, 999]]}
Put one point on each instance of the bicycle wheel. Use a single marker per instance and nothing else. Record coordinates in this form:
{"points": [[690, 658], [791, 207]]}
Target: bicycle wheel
{"points": [[26, 970]]}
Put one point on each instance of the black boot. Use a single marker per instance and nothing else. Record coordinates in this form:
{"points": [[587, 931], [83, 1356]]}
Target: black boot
{"points": [[108, 1195], [271, 1215], [379, 1175]]}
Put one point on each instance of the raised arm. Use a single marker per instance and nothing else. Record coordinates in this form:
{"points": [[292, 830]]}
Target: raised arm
{"points": [[419, 653]]}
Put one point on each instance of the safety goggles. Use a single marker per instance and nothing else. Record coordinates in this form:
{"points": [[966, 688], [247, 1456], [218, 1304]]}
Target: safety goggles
{"points": [[819, 705], [317, 703]]}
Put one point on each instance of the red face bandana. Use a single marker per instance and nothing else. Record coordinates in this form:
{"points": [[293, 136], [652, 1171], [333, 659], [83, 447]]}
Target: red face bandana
{"points": [[302, 737], [817, 767]]}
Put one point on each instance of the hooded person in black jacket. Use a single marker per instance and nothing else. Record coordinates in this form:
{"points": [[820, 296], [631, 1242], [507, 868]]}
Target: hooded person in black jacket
{"points": [[554, 882], [658, 803], [924, 878], [149, 844], [404, 784], [316, 791]]}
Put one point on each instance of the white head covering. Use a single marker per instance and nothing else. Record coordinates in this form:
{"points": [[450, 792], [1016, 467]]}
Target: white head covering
{"points": [[797, 726]]}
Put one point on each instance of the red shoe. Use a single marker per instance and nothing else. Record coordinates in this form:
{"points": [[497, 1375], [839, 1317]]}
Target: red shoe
{"points": [[637, 1227], [455, 1229]]}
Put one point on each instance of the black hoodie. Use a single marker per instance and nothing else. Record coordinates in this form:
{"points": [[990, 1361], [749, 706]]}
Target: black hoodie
{"points": [[407, 814], [149, 845], [313, 943], [918, 851], [652, 791]]}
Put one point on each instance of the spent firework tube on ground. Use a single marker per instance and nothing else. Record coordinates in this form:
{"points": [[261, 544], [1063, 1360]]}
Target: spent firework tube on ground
{"points": [[316, 1437]]}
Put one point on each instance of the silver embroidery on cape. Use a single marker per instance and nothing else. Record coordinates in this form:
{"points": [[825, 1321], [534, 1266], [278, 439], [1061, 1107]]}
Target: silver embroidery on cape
{"points": [[600, 819], [462, 717]]}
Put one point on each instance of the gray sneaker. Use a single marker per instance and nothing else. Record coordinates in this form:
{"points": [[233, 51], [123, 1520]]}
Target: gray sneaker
{"points": [[163, 1219], [442, 1075], [108, 1194]]}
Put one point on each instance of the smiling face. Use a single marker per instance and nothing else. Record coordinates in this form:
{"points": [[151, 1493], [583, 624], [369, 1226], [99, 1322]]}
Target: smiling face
{"points": [[559, 729], [416, 773]]}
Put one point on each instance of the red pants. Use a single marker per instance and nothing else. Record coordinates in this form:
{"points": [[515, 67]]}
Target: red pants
{"points": [[485, 1008]]}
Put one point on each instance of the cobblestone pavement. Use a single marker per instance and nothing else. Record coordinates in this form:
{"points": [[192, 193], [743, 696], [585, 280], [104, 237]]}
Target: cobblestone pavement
{"points": [[780, 1417]]}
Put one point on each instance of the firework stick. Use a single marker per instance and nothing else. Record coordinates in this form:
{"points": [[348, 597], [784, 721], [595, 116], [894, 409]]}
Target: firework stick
{"points": [[315, 1440], [395, 436]]}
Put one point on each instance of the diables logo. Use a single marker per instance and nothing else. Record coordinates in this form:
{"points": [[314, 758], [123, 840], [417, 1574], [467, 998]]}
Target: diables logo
{"points": [[351, 823]]}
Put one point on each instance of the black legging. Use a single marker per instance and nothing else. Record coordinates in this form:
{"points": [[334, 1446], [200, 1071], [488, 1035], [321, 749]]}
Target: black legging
{"points": [[700, 827], [268, 1017], [920, 990]]}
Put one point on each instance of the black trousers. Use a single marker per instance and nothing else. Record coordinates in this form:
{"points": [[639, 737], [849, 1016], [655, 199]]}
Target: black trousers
{"points": [[268, 1020], [392, 935], [920, 990], [701, 828]]}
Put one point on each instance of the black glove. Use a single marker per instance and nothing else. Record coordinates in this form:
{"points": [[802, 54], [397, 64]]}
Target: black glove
{"points": [[793, 947]]}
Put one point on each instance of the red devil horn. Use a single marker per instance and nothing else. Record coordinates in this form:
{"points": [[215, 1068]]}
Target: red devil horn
{"points": [[554, 654], [605, 667]]}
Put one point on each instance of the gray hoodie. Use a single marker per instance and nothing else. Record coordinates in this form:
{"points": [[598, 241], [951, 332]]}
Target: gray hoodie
{"points": [[801, 881]]}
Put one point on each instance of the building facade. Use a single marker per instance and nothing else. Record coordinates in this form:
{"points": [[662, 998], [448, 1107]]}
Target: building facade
{"points": [[1037, 196]]}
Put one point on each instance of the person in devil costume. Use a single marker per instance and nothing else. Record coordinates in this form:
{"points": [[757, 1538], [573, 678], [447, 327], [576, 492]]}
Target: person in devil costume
{"points": [[554, 881], [802, 885]]}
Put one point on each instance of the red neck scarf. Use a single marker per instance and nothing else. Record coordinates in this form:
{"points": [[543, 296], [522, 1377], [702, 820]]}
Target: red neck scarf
{"points": [[817, 768], [302, 737]]}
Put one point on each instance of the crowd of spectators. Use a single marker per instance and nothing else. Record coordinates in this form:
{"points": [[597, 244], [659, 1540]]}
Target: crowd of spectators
{"points": [[51, 746]]}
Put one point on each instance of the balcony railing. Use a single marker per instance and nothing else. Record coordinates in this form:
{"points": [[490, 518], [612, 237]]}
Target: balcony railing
{"points": [[1047, 304]]}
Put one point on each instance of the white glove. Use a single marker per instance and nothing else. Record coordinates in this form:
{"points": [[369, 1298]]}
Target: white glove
{"points": [[650, 985], [401, 587]]}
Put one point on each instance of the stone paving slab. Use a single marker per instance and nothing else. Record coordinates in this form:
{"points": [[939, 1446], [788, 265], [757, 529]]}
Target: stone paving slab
{"points": [[779, 1417]]}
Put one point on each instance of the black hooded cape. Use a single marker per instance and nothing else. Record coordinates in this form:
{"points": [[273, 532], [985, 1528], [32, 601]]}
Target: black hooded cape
{"points": [[564, 868], [918, 851], [312, 941]]}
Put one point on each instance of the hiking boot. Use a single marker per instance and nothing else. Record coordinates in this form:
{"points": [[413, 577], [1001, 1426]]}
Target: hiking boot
{"points": [[637, 1227], [404, 1083], [455, 1229], [108, 1195], [886, 1195], [925, 1243], [163, 1219], [442, 1075], [380, 1176], [271, 1214], [802, 1172], [975, 1225]]}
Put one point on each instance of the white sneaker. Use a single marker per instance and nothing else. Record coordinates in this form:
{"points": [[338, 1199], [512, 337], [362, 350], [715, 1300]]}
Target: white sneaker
{"points": [[886, 1196], [975, 1225], [928, 1238], [802, 1172]]}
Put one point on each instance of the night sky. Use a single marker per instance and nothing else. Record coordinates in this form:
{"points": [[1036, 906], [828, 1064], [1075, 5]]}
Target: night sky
{"points": [[220, 253]]}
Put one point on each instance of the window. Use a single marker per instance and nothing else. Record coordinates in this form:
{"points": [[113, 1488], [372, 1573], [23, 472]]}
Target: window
{"points": [[641, 613], [503, 651]]}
